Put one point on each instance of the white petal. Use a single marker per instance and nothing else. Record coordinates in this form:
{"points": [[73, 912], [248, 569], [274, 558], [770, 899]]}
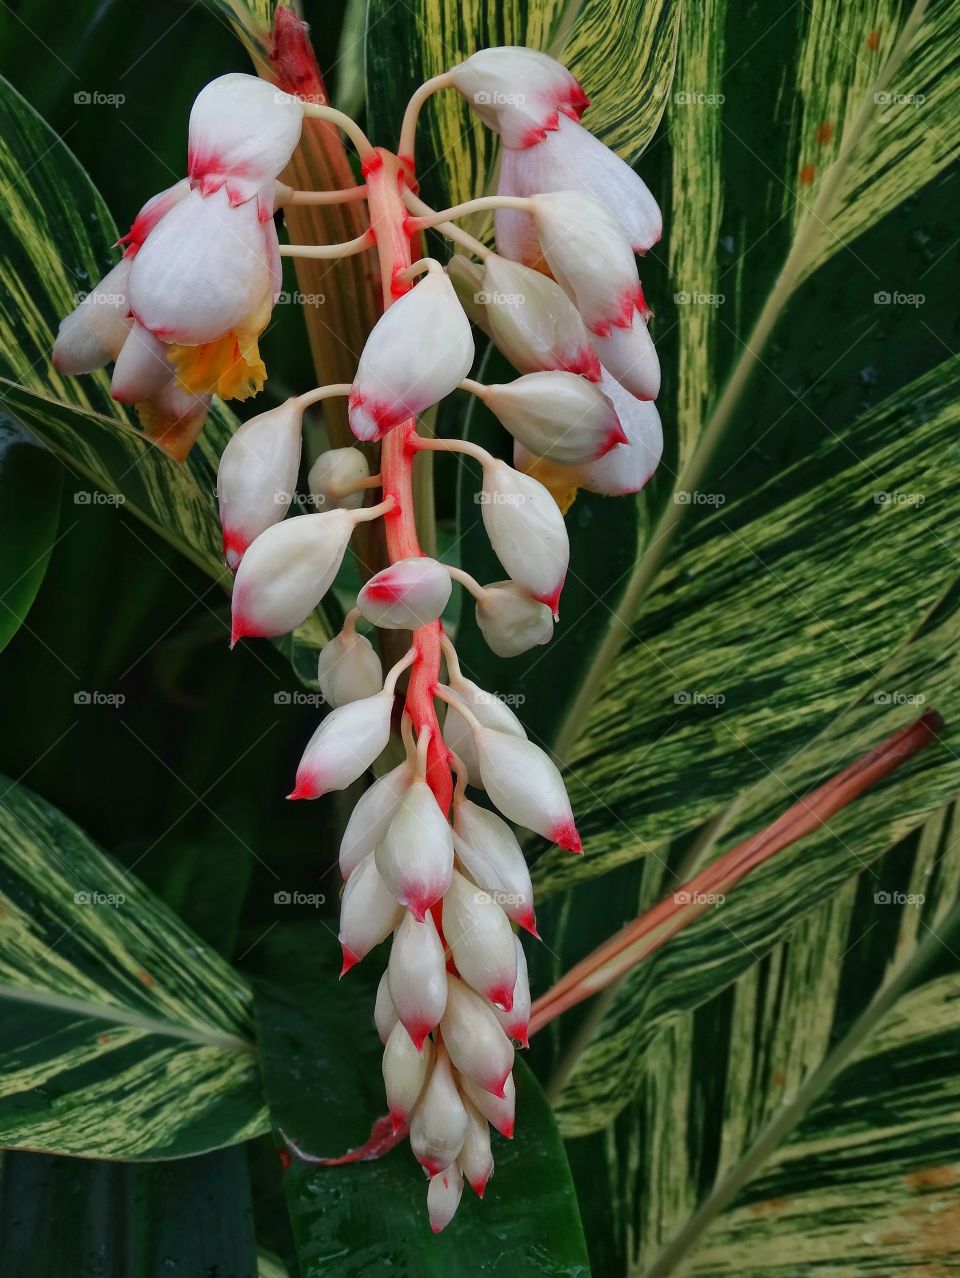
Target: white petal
{"points": [[629, 355], [141, 369], [334, 471], [384, 1013], [488, 850], [258, 476], [474, 1038], [95, 331], [627, 469], [417, 976], [476, 1156], [439, 1121], [516, 1022], [371, 817], [443, 1197], [156, 207], [518, 92], [419, 351], [572, 159], [346, 744], [286, 572], [498, 1111], [242, 131], [511, 621], [589, 257], [557, 415], [409, 594], [203, 272], [532, 320], [524, 783], [415, 856], [490, 710], [526, 531], [348, 669], [368, 913], [405, 1071], [481, 940]]}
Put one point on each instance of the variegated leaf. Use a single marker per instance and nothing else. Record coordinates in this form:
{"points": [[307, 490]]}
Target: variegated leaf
{"points": [[124, 1035]]}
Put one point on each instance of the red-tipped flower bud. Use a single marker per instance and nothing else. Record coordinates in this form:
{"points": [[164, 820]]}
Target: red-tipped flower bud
{"points": [[368, 913], [526, 531], [417, 976], [258, 476], [415, 856], [347, 743], [557, 415], [525, 784], [439, 1122], [348, 669], [511, 620], [481, 941], [405, 1071], [409, 594], [371, 817], [474, 1038], [488, 850]]}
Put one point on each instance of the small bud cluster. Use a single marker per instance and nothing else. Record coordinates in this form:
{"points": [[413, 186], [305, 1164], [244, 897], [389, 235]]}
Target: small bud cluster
{"points": [[441, 874]]}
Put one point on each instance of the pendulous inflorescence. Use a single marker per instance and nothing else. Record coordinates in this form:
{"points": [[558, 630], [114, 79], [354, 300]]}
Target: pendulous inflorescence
{"points": [[440, 874]]}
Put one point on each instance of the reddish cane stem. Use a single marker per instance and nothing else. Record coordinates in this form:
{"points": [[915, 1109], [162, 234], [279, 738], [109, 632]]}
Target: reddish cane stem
{"points": [[633, 943], [389, 217]]}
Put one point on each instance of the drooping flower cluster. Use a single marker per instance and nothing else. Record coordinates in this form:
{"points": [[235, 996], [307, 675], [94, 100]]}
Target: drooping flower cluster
{"points": [[439, 872], [181, 313]]}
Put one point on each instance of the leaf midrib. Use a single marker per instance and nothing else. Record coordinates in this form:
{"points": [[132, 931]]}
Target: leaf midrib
{"points": [[122, 1016]]}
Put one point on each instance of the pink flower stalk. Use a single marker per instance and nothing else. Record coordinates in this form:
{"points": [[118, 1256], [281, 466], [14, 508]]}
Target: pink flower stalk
{"points": [[440, 874]]}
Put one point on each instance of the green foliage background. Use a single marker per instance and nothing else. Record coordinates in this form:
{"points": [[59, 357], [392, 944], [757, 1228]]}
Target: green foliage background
{"points": [[773, 1093]]}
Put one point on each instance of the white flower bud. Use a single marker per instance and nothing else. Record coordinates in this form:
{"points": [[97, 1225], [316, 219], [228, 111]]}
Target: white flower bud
{"points": [[368, 913], [141, 370], [557, 415], [439, 1122], [417, 976], [498, 1111], [287, 571], [95, 331], [516, 1022], [384, 1013], [415, 856], [532, 320], [344, 746], [511, 621], [474, 1038], [420, 350], [371, 817], [409, 594], [481, 941], [490, 710], [335, 471], [488, 850], [242, 133], [405, 1071], [526, 531], [258, 476], [476, 1156], [587, 253], [519, 92], [348, 669], [443, 1197], [524, 783], [572, 158], [628, 353]]}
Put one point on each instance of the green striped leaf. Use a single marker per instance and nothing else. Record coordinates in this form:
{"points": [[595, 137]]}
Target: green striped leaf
{"points": [[57, 236], [321, 1068], [124, 1036], [812, 1105]]}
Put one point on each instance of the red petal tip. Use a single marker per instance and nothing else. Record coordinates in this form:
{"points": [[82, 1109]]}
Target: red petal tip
{"points": [[478, 1186], [351, 960], [503, 995], [303, 790], [529, 924], [507, 1129], [566, 836]]}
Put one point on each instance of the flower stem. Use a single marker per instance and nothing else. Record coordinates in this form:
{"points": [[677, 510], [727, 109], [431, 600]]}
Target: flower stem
{"points": [[388, 216]]}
